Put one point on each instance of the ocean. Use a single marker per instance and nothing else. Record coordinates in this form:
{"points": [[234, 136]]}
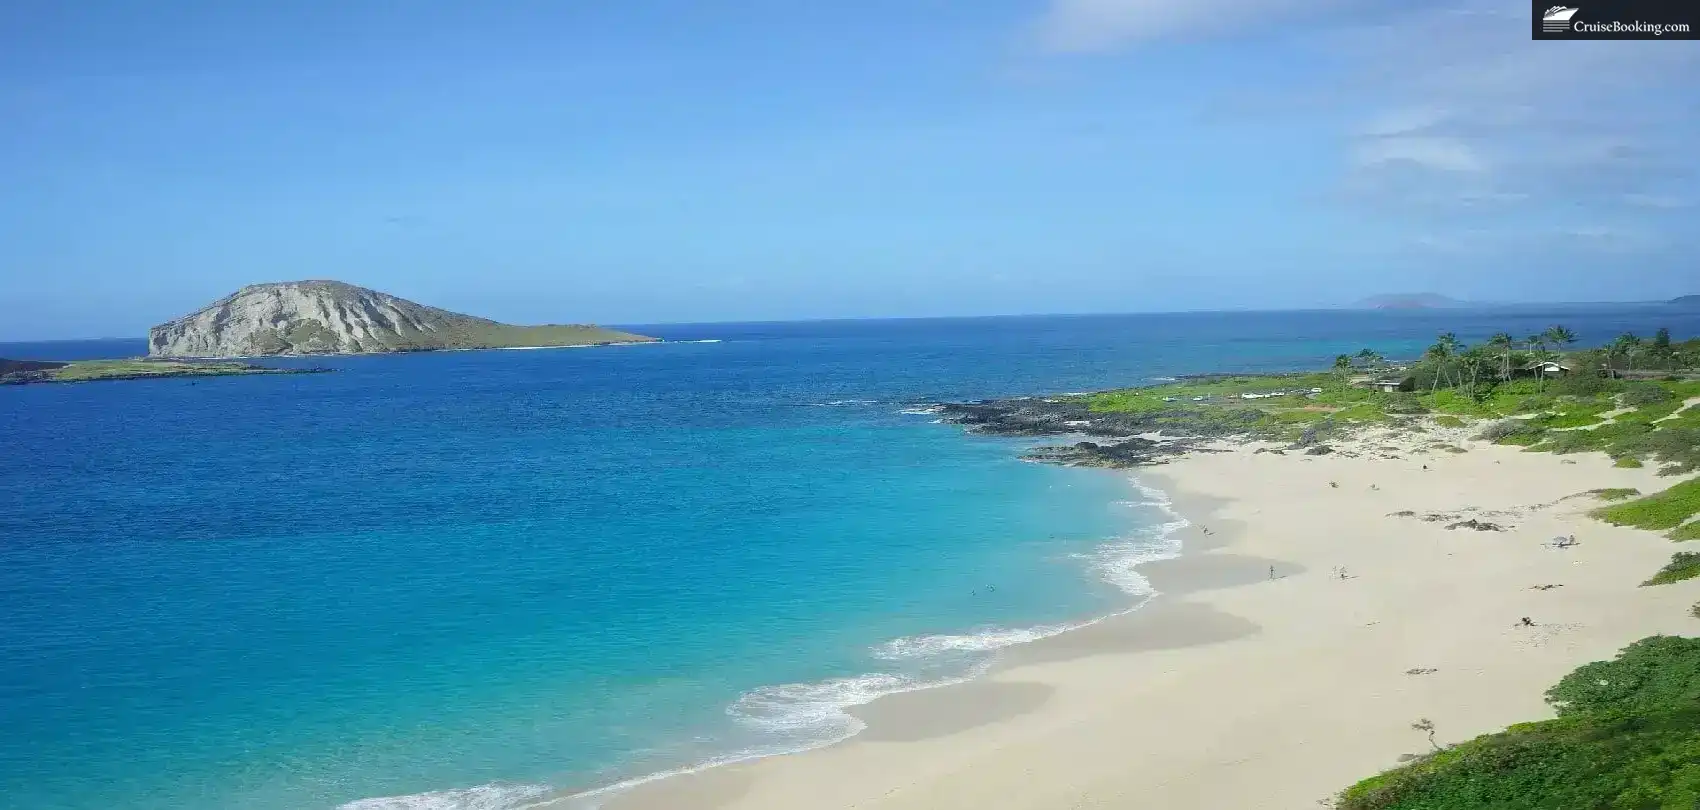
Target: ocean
{"points": [[477, 579]]}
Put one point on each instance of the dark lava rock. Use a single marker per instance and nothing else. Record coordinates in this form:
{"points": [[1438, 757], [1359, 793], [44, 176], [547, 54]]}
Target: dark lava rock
{"points": [[1319, 450], [1478, 525], [1133, 452]]}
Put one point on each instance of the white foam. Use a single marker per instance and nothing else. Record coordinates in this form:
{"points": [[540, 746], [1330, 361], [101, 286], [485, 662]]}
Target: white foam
{"points": [[805, 716], [1115, 562], [911, 647], [816, 710], [928, 410], [843, 403], [495, 796]]}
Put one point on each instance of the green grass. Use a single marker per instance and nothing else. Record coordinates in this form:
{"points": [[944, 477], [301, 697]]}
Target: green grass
{"points": [[1451, 401], [1683, 565], [87, 370], [1661, 510], [1628, 462], [1614, 493], [1687, 531], [1627, 738], [1577, 416], [1561, 419]]}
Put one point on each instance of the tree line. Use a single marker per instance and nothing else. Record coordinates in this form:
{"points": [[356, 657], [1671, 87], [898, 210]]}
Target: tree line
{"points": [[1450, 363]]}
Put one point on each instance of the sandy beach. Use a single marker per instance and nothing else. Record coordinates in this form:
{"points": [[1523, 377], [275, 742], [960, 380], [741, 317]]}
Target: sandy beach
{"points": [[1239, 688]]}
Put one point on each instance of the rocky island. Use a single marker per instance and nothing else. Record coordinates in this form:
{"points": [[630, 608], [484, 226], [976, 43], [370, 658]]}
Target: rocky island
{"points": [[332, 317]]}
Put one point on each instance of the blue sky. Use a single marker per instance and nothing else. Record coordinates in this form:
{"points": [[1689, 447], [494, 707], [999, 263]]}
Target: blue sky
{"points": [[649, 161]]}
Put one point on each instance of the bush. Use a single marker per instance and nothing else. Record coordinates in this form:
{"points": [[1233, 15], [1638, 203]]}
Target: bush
{"points": [[1643, 394], [1572, 441], [1614, 493], [1585, 384], [1683, 565], [1628, 462], [1447, 420], [1404, 404], [1655, 672], [1687, 531], [1660, 510], [1678, 447], [1630, 743], [1506, 428]]}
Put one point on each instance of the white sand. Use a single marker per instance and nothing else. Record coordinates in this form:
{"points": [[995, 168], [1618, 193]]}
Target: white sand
{"points": [[1232, 690]]}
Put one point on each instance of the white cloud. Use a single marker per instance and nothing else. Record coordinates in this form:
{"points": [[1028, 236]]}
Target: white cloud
{"points": [[1075, 26], [1460, 123], [1442, 154]]}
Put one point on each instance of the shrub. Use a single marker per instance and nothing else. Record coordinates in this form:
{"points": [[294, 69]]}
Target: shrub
{"points": [[1687, 531], [1628, 462], [1585, 384], [1683, 565], [1506, 428], [1447, 420], [1404, 404], [1655, 672], [1629, 743], [1573, 441], [1678, 447], [1660, 510], [1614, 493], [1643, 394]]}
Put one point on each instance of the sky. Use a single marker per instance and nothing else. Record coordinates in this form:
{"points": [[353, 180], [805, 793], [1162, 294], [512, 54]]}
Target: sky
{"points": [[644, 161]]}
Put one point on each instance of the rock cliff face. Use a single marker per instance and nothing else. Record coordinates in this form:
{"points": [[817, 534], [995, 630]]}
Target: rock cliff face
{"points": [[330, 317]]}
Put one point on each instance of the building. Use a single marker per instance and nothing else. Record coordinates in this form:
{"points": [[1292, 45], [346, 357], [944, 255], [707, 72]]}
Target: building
{"points": [[1386, 385], [1546, 368]]}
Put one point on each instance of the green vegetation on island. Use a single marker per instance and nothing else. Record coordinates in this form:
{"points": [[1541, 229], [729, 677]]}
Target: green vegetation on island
{"points": [[1627, 736], [22, 372]]}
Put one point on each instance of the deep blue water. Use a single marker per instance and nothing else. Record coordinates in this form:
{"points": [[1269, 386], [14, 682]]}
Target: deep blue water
{"points": [[481, 575]]}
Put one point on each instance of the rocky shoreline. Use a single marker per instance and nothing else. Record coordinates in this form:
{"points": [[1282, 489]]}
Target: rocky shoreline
{"points": [[1115, 440]]}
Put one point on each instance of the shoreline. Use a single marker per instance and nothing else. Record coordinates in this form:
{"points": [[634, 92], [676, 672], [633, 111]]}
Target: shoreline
{"points": [[1073, 714], [1142, 545]]}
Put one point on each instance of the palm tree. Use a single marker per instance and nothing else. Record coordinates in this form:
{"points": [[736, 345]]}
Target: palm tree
{"points": [[1343, 367], [1441, 352], [1503, 343], [1371, 359], [1660, 349], [1559, 337], [1474, 360], [1627, 345], [1537, 344]]}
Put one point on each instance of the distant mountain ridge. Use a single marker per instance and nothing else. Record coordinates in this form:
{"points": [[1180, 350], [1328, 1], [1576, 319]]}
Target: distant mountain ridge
{"points": [[1685, 301], [1409, 301], [333, 317]]}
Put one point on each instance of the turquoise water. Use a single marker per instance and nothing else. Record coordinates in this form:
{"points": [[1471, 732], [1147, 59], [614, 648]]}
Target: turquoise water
{"points": [[468, 580]]}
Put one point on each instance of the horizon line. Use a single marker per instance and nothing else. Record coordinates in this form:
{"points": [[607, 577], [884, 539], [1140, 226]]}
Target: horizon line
{"points": [[1454, 305]]}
